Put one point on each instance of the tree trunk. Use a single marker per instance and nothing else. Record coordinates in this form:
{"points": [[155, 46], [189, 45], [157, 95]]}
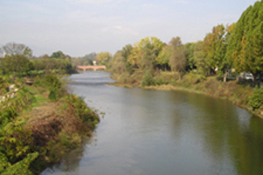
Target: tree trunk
{"points": [[259, 80], [225, 76], [180, 78]]}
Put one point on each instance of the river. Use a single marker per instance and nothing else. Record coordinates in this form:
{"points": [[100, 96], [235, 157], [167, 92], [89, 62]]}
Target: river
{"points": [[148, 132]]}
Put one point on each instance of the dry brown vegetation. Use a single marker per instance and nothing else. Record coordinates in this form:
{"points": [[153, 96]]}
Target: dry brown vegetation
{"points": [[42, 121]]}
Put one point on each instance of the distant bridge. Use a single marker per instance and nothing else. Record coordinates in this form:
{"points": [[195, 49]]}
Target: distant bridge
{"points": [[84, 68]]}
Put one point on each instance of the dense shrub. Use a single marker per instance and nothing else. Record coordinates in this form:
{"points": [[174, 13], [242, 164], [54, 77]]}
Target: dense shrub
{"points": [[58, 65], [79, 108], [18, 64], [194, 78], [147, 79], [51, 82], [256, 99], [16, 143], [161, 81]]}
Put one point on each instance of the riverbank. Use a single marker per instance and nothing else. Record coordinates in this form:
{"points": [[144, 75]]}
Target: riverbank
{"points": [[46, 122], [167, 81]]}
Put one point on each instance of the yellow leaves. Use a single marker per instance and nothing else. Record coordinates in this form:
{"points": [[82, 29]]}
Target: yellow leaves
{"points": [[139, 48], [103, 57], [133, 58], [230, 28], [12, 140]]}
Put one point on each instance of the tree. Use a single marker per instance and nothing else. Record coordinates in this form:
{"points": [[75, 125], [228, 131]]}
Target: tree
{"points": [[88, 62], [58, 65], [16, 49], [176, 42], [144, 52], [134, 56], [215, 49], [177, 60], [164, 56], [245, 44], [58, 54], [77, 61], [45, 56], [148, 57], [103, 58], [125, 53], [200, 59], [190, 48], [91, 56], [16, 63], [117, 63]]}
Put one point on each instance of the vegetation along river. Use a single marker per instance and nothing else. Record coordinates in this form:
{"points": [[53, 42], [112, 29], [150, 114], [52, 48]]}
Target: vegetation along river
{"points": [[147, 132]]}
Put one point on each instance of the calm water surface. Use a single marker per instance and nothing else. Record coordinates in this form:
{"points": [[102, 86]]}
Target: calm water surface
{"points": [[147, 132]]}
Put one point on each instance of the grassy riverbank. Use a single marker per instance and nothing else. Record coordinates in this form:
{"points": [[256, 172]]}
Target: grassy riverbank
{"points": [[40, 123], [195, 83]]}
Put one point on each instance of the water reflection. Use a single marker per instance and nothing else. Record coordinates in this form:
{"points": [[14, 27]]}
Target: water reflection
{"points": [[154, 132], [69, 164]]}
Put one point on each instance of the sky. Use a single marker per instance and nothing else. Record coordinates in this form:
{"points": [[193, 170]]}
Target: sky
{"points": [[79, 27]]}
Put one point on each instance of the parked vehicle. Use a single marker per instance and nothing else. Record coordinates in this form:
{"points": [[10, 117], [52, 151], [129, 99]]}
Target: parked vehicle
{"points": [[248, 77]]}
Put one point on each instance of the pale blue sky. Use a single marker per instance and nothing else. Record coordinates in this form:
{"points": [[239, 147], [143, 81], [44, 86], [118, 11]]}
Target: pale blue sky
{"points": [[78, 27]]}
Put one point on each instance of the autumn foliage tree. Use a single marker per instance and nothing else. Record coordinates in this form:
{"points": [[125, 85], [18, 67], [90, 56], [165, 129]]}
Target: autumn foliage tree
{"points": [[103, 58]]}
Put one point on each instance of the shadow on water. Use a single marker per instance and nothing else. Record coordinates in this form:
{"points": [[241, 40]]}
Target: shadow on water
{"points": [[70, 163]]}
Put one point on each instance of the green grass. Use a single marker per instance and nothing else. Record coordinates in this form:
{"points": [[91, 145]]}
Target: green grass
{"points": [[32, 90], [39, 100]]}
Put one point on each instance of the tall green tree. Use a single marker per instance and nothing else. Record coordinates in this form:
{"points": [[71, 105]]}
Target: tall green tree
{"points": [[125, 53], [164, 56], [215, 49], [190, 48], [59, 54], [117, 63], [245, 45], [200, 59], [149, 47], [177, 60]]}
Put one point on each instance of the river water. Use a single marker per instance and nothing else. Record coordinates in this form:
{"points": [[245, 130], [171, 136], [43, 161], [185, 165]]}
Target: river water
{"points": [[147, 132]]}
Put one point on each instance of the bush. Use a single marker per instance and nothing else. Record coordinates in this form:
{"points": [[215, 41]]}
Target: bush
{"points": [[194, 78], [51, 82], [53, 94], [161, 81], [256, 99], [18, 64], [147, 79], [48, 81], [79, 108]]}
